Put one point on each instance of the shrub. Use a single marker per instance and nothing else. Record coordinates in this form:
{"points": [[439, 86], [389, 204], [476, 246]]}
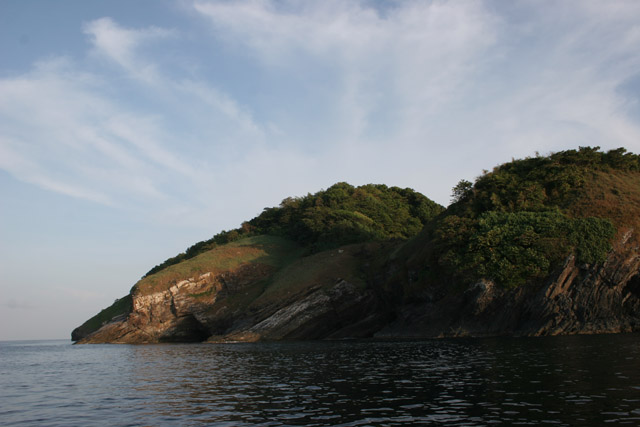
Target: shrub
{"points": [[512, 248], [340, 215]]}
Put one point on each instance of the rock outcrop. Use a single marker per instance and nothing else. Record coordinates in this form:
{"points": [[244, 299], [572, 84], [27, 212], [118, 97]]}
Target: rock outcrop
{"points": [[175, 314], [576, 299], [197, 309]]}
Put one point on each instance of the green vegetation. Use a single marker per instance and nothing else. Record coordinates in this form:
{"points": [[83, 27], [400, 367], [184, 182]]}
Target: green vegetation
{"points": [[516, 247], [518, 222], [514, 226], [539, 183], [120, 307], [340, 215], [272, 251], [317, 270]]}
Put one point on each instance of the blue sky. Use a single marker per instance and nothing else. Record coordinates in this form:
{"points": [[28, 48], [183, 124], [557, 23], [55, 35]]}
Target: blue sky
{"points": [[131, 130]]}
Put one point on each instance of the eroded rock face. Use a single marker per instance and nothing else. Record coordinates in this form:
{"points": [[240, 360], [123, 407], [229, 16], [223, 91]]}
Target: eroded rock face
{"points": [[174, 314], [342, 311], [577, 299], [187, 312]]}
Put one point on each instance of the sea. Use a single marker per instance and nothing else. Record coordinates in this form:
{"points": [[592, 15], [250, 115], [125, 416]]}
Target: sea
{"points": [[572, 380]]}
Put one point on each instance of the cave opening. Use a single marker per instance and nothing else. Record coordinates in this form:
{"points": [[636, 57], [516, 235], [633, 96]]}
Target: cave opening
{"points": [[187, 330], [633, 286]]}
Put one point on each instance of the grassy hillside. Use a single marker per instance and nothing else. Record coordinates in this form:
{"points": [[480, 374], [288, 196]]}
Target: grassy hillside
{"points": [[120, 307], [289, 247], [340, 215], [272, 251], [296, 278]]}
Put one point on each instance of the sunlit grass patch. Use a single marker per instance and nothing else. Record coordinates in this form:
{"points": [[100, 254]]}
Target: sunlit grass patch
{"points": [[269, 250]]}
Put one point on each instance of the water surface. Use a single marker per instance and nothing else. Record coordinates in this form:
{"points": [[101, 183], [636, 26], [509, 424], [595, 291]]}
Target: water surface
{"points": [[579, 380]]}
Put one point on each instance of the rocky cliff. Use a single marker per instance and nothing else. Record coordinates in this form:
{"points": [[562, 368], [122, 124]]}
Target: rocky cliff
{"points": [[575, 299], [174, 315], [232, 305], [540, 246]]}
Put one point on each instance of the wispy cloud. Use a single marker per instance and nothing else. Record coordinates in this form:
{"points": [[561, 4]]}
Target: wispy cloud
{"points": [[464, 83], [126, 48], [56, 134], [121, 45], [407, 62], [157, 145], [292, 96]]}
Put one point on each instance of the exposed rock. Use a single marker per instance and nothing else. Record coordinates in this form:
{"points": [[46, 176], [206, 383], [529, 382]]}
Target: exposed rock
{"points": [[174, 314], [575, 300], [340, 312], [183, 313]]}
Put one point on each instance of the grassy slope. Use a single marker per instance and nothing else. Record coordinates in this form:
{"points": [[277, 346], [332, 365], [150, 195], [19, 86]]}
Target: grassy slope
{"points": [[318, 270], [119, 307], [338, 216], [295, 278], [289, 274], [614, 195], [269, 250]]}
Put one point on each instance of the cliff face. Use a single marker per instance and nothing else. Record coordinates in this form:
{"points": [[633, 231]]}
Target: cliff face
{"points": [[576, 299], [232, 306], [175, 316]]}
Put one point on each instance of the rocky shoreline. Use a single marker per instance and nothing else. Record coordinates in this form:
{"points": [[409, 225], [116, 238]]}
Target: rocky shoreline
{"points": [[577, 299]]}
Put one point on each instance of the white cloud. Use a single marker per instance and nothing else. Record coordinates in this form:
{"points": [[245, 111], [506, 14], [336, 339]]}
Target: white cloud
{"points": [[407, 63], [221, 103], [58, 133], [125, 47], [67, 130], [121, 45], [412, 93], [460, 85]]}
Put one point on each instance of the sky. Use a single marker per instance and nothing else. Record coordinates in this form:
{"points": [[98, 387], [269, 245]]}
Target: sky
{"points": [[130, 130]]}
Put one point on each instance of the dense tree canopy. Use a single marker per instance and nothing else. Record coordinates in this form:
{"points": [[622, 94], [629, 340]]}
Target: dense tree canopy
{"points": [[339, 215], [512, 248], [515, 224], [538, 183]]}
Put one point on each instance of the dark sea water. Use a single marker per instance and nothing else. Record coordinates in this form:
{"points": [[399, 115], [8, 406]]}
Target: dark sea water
{"points": [[579, 380]]}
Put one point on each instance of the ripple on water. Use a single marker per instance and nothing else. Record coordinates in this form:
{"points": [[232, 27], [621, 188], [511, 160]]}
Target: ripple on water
{"points": [[559, 380]]}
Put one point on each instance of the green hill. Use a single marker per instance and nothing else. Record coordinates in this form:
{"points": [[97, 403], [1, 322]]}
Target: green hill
{"points": [[546, 244], [297, 232], [517, 223], [340, 215]]}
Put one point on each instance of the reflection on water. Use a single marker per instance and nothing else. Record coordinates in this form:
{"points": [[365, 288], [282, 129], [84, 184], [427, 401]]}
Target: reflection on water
{"points": [[585, 380]]}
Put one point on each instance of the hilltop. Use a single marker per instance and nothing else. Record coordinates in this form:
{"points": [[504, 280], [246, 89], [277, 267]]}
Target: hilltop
{"points": [[542, 245], [537, 246], [305, 245]]}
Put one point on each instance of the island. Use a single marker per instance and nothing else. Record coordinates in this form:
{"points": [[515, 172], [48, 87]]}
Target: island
{"points": [[545, 245]]}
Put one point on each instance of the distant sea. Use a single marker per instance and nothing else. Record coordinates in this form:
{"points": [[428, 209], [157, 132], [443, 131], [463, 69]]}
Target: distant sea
{"points": [[575, 380]]}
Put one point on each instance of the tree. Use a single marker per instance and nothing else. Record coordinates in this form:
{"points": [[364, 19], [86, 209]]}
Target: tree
{"points": [[461, 190]]}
